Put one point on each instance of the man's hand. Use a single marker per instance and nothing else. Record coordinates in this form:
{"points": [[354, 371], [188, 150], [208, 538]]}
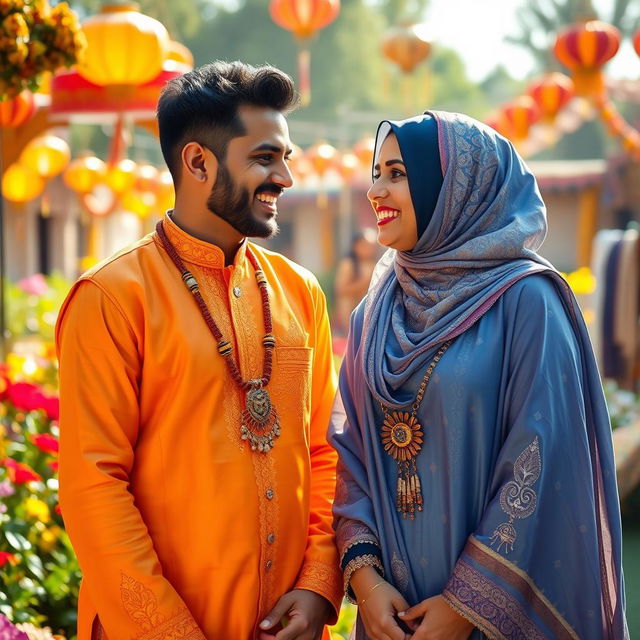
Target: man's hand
{"points": [[307, 613], [439, 621]]}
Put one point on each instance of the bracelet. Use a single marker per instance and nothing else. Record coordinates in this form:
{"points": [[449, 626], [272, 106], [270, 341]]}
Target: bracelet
{"points": [[371, 590]]}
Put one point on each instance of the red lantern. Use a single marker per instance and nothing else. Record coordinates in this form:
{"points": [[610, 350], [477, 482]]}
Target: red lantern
{"points": [[16, 111], [551, 93], [636, 41], [520, 115], [584, 48], [304, 18], [406, 46]]}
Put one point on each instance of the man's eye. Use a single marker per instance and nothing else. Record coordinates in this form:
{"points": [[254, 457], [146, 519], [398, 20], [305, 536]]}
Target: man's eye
{"points": [[265, 158]]}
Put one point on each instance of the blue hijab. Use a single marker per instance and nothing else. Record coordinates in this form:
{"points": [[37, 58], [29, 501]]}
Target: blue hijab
{"points": [[482, 220]]}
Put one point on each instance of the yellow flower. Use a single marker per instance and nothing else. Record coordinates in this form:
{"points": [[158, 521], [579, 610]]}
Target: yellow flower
{"points": [[38, 509], [48, 539], [582, 281]]}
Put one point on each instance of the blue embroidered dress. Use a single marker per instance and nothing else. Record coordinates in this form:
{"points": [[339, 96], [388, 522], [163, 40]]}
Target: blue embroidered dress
{"points": [[520, 530]]}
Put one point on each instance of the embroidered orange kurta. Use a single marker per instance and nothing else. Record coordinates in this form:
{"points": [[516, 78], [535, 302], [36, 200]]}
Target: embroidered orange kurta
{"points": [[181, 531]]}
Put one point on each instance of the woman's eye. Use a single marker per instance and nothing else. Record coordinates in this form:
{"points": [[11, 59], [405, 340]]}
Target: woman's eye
{"points": [[376, 176], [396, 173]]}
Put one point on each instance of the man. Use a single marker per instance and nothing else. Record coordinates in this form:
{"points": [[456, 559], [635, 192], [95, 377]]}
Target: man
{"points": [[196, 385]]}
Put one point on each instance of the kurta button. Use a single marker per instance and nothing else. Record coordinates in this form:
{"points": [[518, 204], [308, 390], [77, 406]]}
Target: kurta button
{"points": [[268, 564], [270, 494], [271, 538], [236, 292]]}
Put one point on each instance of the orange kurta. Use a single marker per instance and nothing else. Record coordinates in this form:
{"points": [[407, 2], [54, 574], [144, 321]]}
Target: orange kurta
{"points": [[182, 531]]}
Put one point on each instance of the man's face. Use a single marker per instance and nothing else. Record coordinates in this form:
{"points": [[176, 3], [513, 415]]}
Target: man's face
{"points": [[254, 173]]}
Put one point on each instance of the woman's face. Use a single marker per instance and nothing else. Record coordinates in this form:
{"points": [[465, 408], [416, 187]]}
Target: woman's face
{"points": [[391, 199]]}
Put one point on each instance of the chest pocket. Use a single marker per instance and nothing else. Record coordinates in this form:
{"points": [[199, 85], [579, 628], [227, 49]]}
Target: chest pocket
{"points": [[291, 389]]}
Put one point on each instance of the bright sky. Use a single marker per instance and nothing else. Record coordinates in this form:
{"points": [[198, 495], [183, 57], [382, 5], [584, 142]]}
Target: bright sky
{"points": [[476, 29]]}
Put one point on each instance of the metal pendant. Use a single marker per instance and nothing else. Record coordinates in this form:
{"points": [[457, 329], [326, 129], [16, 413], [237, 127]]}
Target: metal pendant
{"points": [[260, 421]]}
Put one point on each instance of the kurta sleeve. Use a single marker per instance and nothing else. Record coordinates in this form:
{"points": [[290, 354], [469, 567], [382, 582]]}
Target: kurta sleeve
{"points": [[536, 565], [357, 543], [100, 372], [320, 572]]}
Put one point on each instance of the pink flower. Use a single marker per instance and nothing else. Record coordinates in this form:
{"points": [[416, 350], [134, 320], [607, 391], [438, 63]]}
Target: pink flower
{"points": [[45, 442], [34, 285], [20, 473], [6, 489]]}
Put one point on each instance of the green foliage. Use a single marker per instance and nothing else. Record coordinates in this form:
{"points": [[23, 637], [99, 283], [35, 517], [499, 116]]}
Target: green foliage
{"points": [[345, 623]]}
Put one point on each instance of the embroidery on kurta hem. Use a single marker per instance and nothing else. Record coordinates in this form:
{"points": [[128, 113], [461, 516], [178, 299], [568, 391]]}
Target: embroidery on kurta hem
{"points": [[141, 606], [322, 578], [517, 498], [519, 580], [488, 605]]}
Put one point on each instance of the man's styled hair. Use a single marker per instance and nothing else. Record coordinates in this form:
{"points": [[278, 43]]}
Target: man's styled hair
{"points": [[202, 106]]}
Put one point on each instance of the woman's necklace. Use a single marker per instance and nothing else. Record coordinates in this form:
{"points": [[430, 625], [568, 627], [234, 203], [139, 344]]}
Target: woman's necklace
{"points": [[260, 421], [402, 438]]}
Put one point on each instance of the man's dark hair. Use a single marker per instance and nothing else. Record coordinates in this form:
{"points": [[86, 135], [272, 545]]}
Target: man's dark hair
{"points": [[202, 106]]}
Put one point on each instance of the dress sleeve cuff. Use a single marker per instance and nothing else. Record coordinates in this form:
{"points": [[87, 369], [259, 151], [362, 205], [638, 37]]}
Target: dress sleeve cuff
{"points": [[357, 562], [325, 580]]}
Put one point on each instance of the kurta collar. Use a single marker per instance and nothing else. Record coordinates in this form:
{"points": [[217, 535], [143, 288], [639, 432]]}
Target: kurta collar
{"points": [[197, 251]]}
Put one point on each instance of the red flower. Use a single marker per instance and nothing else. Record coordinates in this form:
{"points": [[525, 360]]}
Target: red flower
{"points": [[7, 557], [54, 465], [45, 442], [51, 406], [29, 397], [57, 509], [20, 473]]}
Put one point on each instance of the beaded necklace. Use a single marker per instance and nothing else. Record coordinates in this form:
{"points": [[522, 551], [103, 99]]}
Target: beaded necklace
{"points": [[260, 421], [402, 438]]}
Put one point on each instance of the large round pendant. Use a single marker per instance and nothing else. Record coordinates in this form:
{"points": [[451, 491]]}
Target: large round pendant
{"points": [[258, 404], [401, 435]]}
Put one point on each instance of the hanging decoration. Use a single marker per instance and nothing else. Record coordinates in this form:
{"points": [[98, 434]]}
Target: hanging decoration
{"points": [[406, 46], [551, 93], [21, 184], [584, 48], [519, 115], [46, 155], [304, 18], [14, 112]]}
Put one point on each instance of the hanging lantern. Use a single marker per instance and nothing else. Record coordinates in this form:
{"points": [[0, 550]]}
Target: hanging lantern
{"points": [[304, 18], [364, 150], [83, 174], [140, 203], [21, 184], [165, 193], [46, 155], [121, 176], [584, 48], [14, 112], [551, 93], [520, 115], [636, 41], [406, 46], [322, 157], [348, 166], [299, 163], [125, 47], [146, 178]]}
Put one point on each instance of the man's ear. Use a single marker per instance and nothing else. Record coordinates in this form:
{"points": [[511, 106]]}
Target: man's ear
{"points": [[200, 163]]}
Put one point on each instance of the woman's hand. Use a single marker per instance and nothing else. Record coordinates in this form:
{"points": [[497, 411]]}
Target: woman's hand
{"points": [[380, 603], [439, 621]]}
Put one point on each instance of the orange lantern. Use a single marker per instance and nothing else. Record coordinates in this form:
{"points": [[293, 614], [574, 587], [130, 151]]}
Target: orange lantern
{"points": [[636, 41], [406, 46], [365, 150], [299, 163], [348, 166], [140, 203], [180, 54], [121, 176], [16, 111], [551, 93], [165, 192], [83, 174], [584, 48], [125, 47], [519, 116], [46, 155], [322, 157], [21, 184], [304, 18], [146, 178]]}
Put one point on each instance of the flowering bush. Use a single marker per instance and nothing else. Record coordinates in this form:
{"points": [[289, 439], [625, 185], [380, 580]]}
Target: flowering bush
{"points": [[40, 577], [35, 38]]}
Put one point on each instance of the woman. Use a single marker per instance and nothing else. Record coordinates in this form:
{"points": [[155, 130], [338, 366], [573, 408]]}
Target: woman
{"points": [[476, 480]]}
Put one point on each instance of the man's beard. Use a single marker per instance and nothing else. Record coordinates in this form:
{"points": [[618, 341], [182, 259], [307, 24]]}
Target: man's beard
{"points": [[233, 205]]}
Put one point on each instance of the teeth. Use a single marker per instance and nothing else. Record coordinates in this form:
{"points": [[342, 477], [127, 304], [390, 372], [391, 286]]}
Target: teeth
{"points": [[385, 213], [265, 198]]}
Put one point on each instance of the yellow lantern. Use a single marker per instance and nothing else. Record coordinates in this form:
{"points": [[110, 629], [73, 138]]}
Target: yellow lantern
{"points": [[122, 176], [140, 203], [125, 47], [180, 54], [21, 184], [46, 155], [83, 174]]}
